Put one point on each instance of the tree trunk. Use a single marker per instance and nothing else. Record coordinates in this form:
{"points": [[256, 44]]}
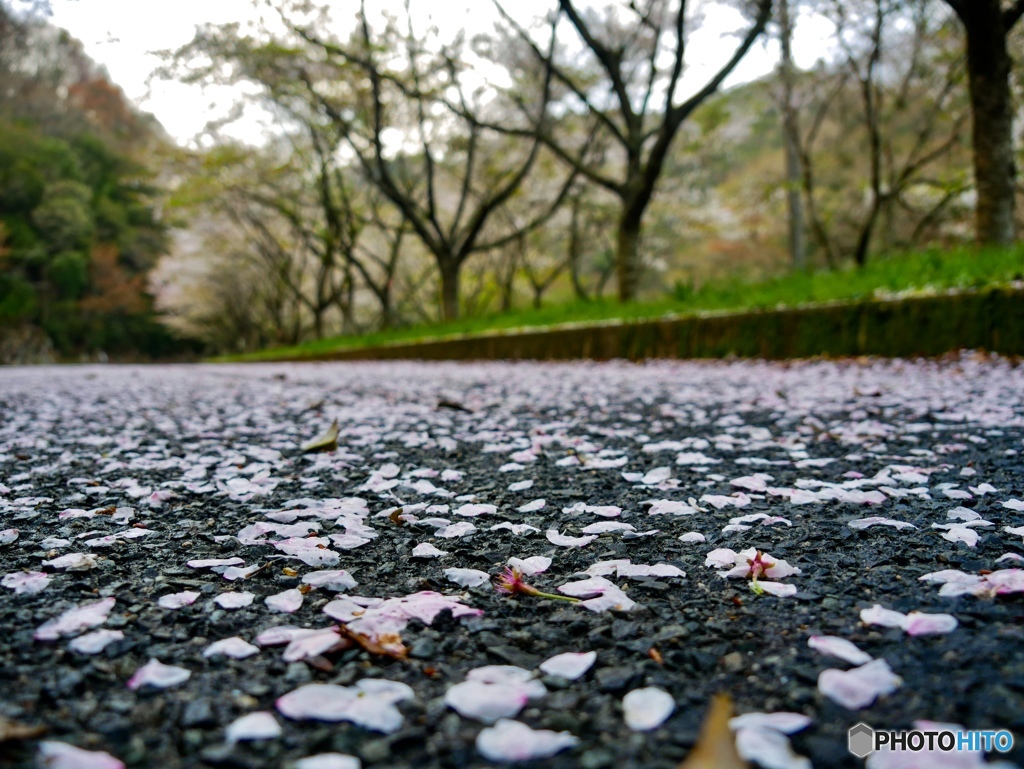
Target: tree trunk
{"points": [[450, 290], [627, 256], [791, 134], [988, 66]]}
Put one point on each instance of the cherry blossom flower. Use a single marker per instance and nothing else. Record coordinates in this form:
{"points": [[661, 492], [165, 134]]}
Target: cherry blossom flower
{"points": [[511, 582]]}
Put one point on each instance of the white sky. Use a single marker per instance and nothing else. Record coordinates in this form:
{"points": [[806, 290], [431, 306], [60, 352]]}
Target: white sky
{"points": [[122, 34]]}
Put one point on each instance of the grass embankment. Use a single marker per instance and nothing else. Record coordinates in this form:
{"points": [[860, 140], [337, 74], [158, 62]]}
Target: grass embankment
{"points": [[884, 277]]}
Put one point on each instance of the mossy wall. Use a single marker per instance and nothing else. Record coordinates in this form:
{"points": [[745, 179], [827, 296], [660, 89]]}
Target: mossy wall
{"points": [[991, 319]]}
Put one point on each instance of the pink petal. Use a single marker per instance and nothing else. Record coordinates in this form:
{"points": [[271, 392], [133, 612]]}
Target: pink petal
{"points": [[455, 530], [513, 741], [370, 704], [646, 709], [95, 642], [835, 646], [60, 755], [571, 665], [305, 646], [154, 673], [260, 725], [858, 688], [177, 600], [920, 623], [73, 562], [282, 634], [628, 570], [234, 600], [427, 550], [209, 563], [287, 601], [473, 510], [7, 536], [73, 620], [779, 589], [26, 581], [721, 558], [234, 647], [692, 536]]}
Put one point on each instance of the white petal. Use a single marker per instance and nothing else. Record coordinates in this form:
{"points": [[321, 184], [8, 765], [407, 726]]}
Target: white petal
{"points": [[455, 530], [692, 536], [532, 507], [513, 741], [858, 688], [209, 563], [768, 749], [305, 646], [485, 702], [73, 562], [61, 755], [234, 600], [7, 536], [154, 673], [876, 615], [721, 558], [177, 600], [473, 510], [535, 564], [780, 589], [655, 570], [427, 550], [646, 709], [787, 723], [234, 647], [571, 665], [334, 579], [95, 642], [260, 725], [329, 760], [564, 541], [286, 602], [834, 646], [467, 577]]}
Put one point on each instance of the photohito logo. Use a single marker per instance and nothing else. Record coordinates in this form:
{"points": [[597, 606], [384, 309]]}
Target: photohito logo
{"points": [[862, 740]]}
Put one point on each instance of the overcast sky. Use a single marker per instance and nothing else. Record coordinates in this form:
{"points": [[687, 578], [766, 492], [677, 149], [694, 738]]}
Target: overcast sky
{"points": [[123, 36]]}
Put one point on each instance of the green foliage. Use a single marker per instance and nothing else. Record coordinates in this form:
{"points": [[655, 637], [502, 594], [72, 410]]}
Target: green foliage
{"points": [[930, 270], [69, 275]]}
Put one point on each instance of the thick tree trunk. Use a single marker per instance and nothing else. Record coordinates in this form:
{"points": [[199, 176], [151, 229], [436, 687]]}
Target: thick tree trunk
{"points": [[988, 66], [627, 256], [450, 291]]}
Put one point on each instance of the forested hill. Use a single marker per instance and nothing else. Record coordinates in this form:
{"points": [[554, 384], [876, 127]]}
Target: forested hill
{"points": [[80, 220]]}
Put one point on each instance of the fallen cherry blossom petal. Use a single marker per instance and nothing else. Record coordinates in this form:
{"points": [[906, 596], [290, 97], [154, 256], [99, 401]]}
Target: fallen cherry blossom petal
{"points": [[210, 563], [7, 536], [26, 582], [865, 523], [786, 723], [427, 550], [73, 562], [177, 600], [692, 536], [260, 725], [857, 688], [778, 589], [769, 749], [61, 755], [532, 507], [286, 602], [328, 760], [646, 709], [310, 645], [154, 673], [473, 510], [467, 577], [535, 564], [564, 541], [514, 741], [333, 579], [485, 702], [627, 570], [73, 620], [95, 642], [234, 600], [570, 665], [370, 704], [234, 647], [876, 615], [462, 529], [921, 623], [840, 648]]}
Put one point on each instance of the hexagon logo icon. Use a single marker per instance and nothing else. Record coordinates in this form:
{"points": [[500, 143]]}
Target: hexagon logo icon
{"points": [[861, 740]]}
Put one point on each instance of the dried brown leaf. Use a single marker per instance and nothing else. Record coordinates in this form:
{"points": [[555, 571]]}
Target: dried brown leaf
{"points": [[326, 441], [15, 730]]}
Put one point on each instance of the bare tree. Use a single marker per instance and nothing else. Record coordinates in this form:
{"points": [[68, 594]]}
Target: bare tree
{"points": [[633, 106], [791, 138]]}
